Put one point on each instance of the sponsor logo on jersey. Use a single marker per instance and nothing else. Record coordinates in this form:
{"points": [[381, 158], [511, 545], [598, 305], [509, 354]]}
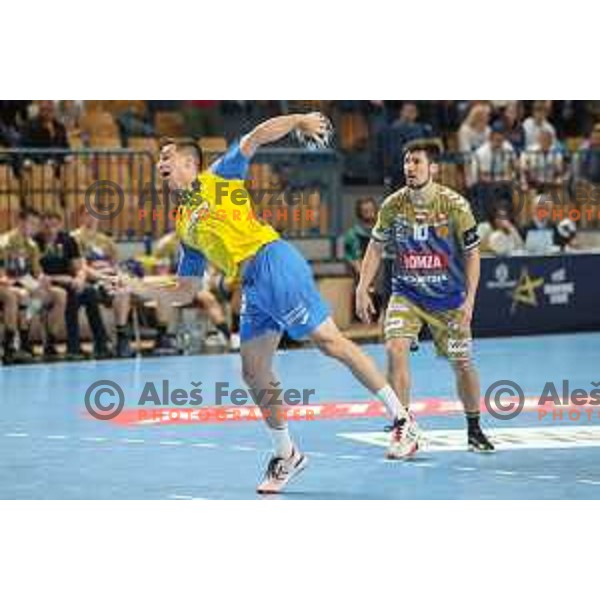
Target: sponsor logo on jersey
{"points": [[424, 261]]}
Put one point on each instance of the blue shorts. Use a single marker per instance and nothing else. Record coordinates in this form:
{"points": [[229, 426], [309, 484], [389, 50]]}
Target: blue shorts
{"points": [[279, 294]]}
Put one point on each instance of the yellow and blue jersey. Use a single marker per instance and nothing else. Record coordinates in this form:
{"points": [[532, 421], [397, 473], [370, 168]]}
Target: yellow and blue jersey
{"points": [[428, 231], [217, 223]]}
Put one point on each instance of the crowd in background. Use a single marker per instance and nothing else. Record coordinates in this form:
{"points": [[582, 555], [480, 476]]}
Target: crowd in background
{"points": [[51, 275]]}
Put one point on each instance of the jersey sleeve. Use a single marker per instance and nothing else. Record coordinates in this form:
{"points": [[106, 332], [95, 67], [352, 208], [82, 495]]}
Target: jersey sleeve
{"points": [[465, 224], [233, 165], [191, 263], [383, 227]]}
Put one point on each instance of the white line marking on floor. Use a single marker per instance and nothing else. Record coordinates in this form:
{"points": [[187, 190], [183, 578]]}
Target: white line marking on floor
{"points": [[93, 439], [498, 472], [464, 468], [204, 445], [170, 443], [316, 454], [56, 437], [422, 465], [243, 448], [545, 477], [133, 441], [588, 481], [350, 457], [18, 434]]}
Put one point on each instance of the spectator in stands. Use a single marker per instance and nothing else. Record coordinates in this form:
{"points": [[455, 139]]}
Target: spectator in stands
{"points": [[134, 121], [495, 159], [538, 123], [475, 129], [394, 137], [587, 161], [357, 238], [13, 114], [9, 308], [499, 235], [45, 131], [61, 262], [493, 168], [511, 119], [356, 241], [22, 277], [542, 235], [542, 165], [101, 255], [203, 118]]}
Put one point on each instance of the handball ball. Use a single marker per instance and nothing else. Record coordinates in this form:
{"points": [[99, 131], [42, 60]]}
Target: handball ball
{"points": [[567, 229], [319, 142]]}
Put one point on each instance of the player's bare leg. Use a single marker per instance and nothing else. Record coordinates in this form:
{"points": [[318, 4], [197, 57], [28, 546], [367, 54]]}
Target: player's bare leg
{"points": [[404, 433], [468, 389], [257, 369], [399, 367]]}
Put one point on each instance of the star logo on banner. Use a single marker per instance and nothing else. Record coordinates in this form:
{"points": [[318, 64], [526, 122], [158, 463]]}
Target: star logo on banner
{"points": [[525, 290]]}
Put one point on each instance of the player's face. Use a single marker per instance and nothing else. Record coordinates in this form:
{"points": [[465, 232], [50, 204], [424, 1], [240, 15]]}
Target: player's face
{"points": [[30, 226], [175, 167], [417, 169]]}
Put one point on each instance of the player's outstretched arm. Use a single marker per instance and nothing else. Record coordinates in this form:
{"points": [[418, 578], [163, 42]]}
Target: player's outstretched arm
{"points": [[312, 125], [368, 271]]}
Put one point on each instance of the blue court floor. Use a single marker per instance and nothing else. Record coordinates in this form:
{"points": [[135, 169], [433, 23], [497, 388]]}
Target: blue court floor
{"points": [[50, 448]]}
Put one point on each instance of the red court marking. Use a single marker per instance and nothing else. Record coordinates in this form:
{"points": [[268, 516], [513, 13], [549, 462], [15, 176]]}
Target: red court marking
{"points": [[331, 410]]}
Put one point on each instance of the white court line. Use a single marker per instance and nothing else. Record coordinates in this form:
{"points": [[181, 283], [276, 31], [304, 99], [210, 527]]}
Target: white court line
{"points": [[350, 457], [133, 441], [588, 481], [422, 465], [93, 439], [243, 448], [204, 445], [498, 472], [56, 437], [545, 477], [316, 454], [17, 434], [464, 468], [170, 443]]}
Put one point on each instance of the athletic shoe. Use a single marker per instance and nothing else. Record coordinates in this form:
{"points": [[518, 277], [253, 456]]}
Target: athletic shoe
{"points": [[479, 442], [280, 471], [404, 438], [234, 342]]}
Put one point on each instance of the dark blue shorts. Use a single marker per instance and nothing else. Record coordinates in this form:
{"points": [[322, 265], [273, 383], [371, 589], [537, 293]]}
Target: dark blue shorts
{"points": [[279, 294]]}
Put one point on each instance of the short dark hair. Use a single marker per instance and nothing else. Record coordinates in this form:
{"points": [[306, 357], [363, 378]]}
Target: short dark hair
{"points": [[431, 147], [188, 146], [28, 211], [52, 214], [361, 202]]}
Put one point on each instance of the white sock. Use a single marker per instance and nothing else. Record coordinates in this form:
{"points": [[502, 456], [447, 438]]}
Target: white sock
{"points": [[391, 401], [282, 442]]}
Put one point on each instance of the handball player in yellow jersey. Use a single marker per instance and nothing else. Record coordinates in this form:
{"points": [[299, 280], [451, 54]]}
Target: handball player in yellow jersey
{"points": [[216, 223]]}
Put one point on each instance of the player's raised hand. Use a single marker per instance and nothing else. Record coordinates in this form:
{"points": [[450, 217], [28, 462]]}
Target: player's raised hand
{"points": [[315, 129], [364, 305]]}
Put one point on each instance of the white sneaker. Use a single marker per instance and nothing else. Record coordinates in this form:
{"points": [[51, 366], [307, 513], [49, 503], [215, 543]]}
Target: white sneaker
{"points": [[280, 471], [234, 342], [404, 438]]}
